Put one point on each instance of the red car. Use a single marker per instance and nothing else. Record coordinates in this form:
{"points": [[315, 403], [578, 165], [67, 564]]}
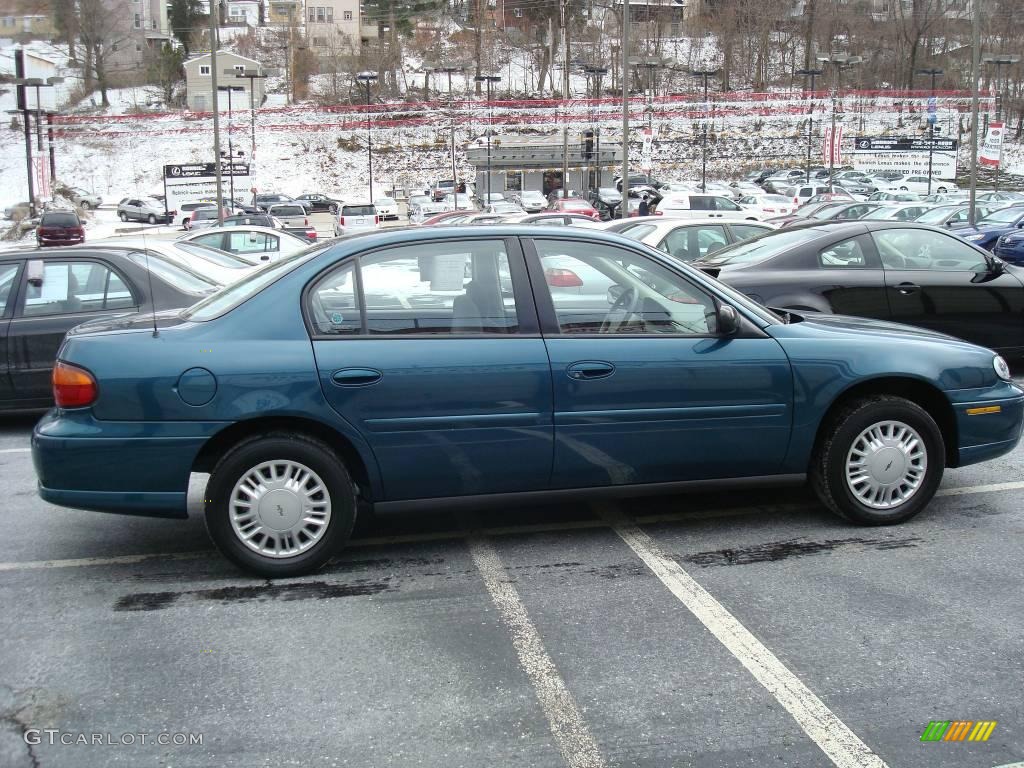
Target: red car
{"points": [[441, 218], [575, 205], [60, 228]]}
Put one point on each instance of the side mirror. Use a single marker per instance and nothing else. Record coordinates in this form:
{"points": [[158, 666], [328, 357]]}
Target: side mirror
{"points": [[615, 293], [728, 320], [995, 266]]}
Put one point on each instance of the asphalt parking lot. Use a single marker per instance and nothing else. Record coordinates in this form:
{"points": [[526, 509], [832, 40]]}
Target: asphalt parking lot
{"points": [[734, 629]]}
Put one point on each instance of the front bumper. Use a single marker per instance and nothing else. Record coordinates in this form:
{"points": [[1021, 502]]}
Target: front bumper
{"points": [[129, 468], [988, 421]]}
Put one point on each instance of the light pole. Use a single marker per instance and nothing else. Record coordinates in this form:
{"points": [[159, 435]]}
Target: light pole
{"points": [[37, 83], [252, 75], [366, 78], [490, 122], [933, 72], [598, 73], [813, 74], [1000, 60], [839, 62], [451, 106], [231, 145], [706, 74]]}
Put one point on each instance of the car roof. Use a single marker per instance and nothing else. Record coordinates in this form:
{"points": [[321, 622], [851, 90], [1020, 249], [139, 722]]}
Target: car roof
{"points": [[238, 228]]}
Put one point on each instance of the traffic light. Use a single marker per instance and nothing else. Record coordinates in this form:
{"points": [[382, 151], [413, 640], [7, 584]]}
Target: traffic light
{"points": [[588, 144]]}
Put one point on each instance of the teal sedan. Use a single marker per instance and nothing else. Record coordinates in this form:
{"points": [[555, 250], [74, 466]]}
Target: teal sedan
{"points": [[435, 367]]}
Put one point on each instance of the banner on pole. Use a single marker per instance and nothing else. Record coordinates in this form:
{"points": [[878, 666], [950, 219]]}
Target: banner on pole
{"points": [[647, 151], [832, 150], [992, 150]]}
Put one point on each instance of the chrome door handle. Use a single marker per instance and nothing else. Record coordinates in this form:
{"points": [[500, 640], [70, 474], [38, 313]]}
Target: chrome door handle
{"points": [[591, 369], [356, 377]]}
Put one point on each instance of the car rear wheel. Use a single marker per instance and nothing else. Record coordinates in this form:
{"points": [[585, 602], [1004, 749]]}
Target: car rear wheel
{"points": [[122, 216], [879, 461], [942, 190], [186, 224], [280, 505]]}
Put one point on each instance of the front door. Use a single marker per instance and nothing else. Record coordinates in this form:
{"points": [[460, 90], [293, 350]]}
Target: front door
{"points": [[432, 352], [937, 281], [645, 390]]}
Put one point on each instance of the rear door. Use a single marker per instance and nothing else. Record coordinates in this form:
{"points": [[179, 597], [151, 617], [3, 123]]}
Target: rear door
{"points": [[432, 352], [9, 282], [937, 281], [70, 292]]}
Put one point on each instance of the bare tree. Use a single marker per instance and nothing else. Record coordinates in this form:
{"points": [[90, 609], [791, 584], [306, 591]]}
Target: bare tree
{"points": [[105, 29]]}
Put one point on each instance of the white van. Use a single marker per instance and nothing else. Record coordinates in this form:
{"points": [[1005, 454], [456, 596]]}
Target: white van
{"points": [[696, 206], [356, 217]]}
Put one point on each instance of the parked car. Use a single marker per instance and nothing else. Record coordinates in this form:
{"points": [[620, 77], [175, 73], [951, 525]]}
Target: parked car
{"points": [[637, 180], [840, 211], [690, 239], [356, 217], [956, 214], [898, 271], [446, 217], [897, 212], [423, 207], [59, 228], [1010, 248], [254, 245], [894, 197], [530, 200], [314, 202], [947, 197], [779, 182], [212, 264], [798, 195], [555, 219], [919, 184], [289, 214], [575, 205], [696, 206], [144, 209], [386, 389], [252, 220], [1005, 197], [460, 201], [265, 200], [989, 229], [21, 209], [203, 218], [84, 199], [45, 293], [183, 217], [387, 208], [505, 208]]}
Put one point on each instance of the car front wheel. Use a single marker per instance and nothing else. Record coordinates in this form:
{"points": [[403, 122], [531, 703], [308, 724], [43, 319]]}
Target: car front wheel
{"points": [[280, 505], [122, 216], [85, 205], [152, 219], [879, 461]]}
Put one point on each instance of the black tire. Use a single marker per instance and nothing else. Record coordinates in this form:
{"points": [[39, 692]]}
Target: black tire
{"points": [[941, 190], [333, 210], [274, 447], [152, 219], [186, 224], [85, 205], [122, 216], [828, 466]]}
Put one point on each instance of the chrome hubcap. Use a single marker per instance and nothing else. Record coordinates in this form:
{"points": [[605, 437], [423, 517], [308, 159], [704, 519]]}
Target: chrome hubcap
{"points": [[886, 464], [280, 508]]}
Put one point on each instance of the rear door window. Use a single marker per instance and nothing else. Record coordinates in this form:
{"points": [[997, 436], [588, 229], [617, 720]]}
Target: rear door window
{"points": [[70, 287], [252, 242], [701, 203], [689, 243], [7, 274]]}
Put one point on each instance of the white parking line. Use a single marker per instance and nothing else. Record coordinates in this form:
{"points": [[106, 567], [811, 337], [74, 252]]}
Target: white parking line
{"points": [[969, 489], [15, 450], [31, 565], [571, 734], [836, 740]]}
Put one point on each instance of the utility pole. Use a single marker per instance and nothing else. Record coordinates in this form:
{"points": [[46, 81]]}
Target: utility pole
{"points": [[975, 66], [366, 78], [565, 101], [934, 72], [625, 110], [1000, 61], [490, 122], [451, 106], [216, 111], [252, 76], [839, 62], [704, 73], [811, 73], [19, 74], [49, 138]]}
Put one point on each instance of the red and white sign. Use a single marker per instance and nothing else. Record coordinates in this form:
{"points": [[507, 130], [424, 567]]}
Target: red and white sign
{"points": [[992, 150], [832, 149], [647, 151]]}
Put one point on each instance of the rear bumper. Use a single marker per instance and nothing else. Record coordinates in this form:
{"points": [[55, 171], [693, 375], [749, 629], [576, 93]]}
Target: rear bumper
{"points": [[130, 468], [988, 421]]}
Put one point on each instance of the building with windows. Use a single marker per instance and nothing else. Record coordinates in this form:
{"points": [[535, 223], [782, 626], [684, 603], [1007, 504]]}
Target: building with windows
{"points": [[198, 83], [332, 25]]}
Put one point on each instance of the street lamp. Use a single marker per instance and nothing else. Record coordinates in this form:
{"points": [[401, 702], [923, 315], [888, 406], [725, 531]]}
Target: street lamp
{"points": [[704, 73], [252, 76], [839, 62], [366, 78], [37, 83], [1000, 60], [596, 72], [451, 106], [811, 73], [490, 122], [933, 72], [231, 146]]}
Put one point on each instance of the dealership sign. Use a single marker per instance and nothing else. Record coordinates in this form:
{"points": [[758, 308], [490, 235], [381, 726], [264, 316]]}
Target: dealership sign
{"points": [[992, 150], [906, 155], [196, 182]]}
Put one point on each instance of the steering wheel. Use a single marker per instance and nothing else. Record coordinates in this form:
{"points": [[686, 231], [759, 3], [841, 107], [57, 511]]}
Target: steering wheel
{"points": [[627, 304]]}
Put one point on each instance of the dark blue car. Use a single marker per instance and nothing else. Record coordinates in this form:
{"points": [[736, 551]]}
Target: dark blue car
{"points": [[990, 228], [1010, 248], [436, 367]]}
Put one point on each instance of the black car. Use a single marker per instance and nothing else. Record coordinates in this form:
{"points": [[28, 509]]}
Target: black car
{"points": [[314, 203], [250, 219], [900, 271], [45, 293], [264, 201]]}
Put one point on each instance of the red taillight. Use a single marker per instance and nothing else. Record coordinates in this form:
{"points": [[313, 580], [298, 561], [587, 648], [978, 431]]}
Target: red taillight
{"points": [[311, 234], [341, 220], [562, 278], [73, 387], [376, 220], [305, 222]]}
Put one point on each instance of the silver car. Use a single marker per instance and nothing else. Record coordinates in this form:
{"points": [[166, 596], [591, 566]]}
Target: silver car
{"points": [[356, 218], [290, 214], [144, 209], [85, 199]]}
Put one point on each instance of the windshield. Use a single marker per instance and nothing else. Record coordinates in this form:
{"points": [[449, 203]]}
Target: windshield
{"points": [[180, 278], [227, 299], [59, 220], [937, 215], [1003, 216], [759, 249], [221, 258]]}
